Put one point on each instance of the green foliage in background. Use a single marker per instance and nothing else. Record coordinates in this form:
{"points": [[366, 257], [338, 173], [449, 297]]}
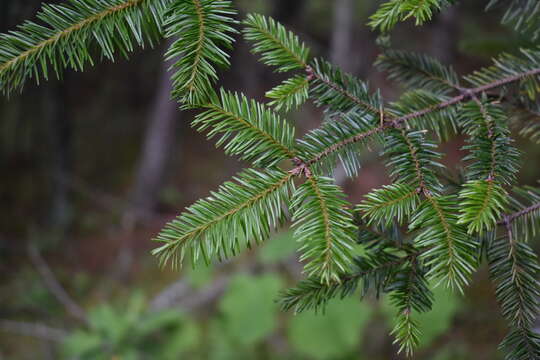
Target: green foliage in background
{"points": [[246, 317], [334, 334], [250, 298], [129, 332]]}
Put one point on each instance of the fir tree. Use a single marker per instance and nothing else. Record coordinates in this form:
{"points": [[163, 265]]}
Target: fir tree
{"points": [[416, 233]]}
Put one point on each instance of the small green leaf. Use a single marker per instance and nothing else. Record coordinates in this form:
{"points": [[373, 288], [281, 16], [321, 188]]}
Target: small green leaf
{"points": [[249, 309], [331, 335], [278, 248]]}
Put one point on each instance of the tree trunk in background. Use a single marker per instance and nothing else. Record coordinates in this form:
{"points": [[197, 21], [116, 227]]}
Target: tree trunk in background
{"points": [[158, 141], [287, 11], [342, 35], [4, 5], [341, 52], [444, 35], [61, 132]]}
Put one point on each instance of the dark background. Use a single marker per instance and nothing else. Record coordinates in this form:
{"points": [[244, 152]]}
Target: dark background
{"points": [[94, 165]]}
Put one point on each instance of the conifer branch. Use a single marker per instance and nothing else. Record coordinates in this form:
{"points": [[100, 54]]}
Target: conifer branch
{"points": [[494, 164], [290, 94], [312, 293], [277, 46], [524, 212], [409, 292], [488, 121], [203, 29], [523, 15], [341, 91], [396, 201], [237, 215], [247, 128], [418, 71], [441, 241], [67, 31], [419, 170], [396, 122], [437, 218], [393, 11], [514, 268], [351, 140], [324, 227]]}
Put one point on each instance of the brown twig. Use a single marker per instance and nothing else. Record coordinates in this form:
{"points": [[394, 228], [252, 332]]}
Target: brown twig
{"points": [[396, 122], [511, 217], [33, 329], [54, 285]]}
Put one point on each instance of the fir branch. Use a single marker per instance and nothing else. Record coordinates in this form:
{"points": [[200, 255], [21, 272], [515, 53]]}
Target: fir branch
{"points": [[391, 202], [495, 163], [202, 28], [522, 15], [443, 121], [409, 291], [369, 272], [509, 68], [341, 92], [324, 227], [237, 215], [247, 129], [413, 160], [526, 212], [418, 71], [323, 138], [521, 344], [66, 32], [277, 46], [483, 201], [393, 123], [490, 144], [393, 11], [514, 269], [290, 94], [351, 140], [451, 257]]}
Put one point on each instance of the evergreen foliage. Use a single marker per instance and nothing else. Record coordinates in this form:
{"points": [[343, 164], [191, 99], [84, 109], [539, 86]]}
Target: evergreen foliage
{"points": [[290, 94], [202, 28], [409, 291], [418, 71], [260, 135], [514, 268], [403, 238], [394, 202], [341, 92], [352, 131], [443, 238], [525, 119], [324, 228], [277, 46], [371, 271], [522, 15], [393, 11], [238, 214], [511, 69], [66, 33]]}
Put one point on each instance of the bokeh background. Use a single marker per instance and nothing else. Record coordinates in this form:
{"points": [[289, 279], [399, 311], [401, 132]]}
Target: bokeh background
{"points": [[92, 166]]}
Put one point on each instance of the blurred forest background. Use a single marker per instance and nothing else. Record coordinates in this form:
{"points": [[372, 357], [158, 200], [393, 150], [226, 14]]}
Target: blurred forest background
{"points": [[94, 165]]}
